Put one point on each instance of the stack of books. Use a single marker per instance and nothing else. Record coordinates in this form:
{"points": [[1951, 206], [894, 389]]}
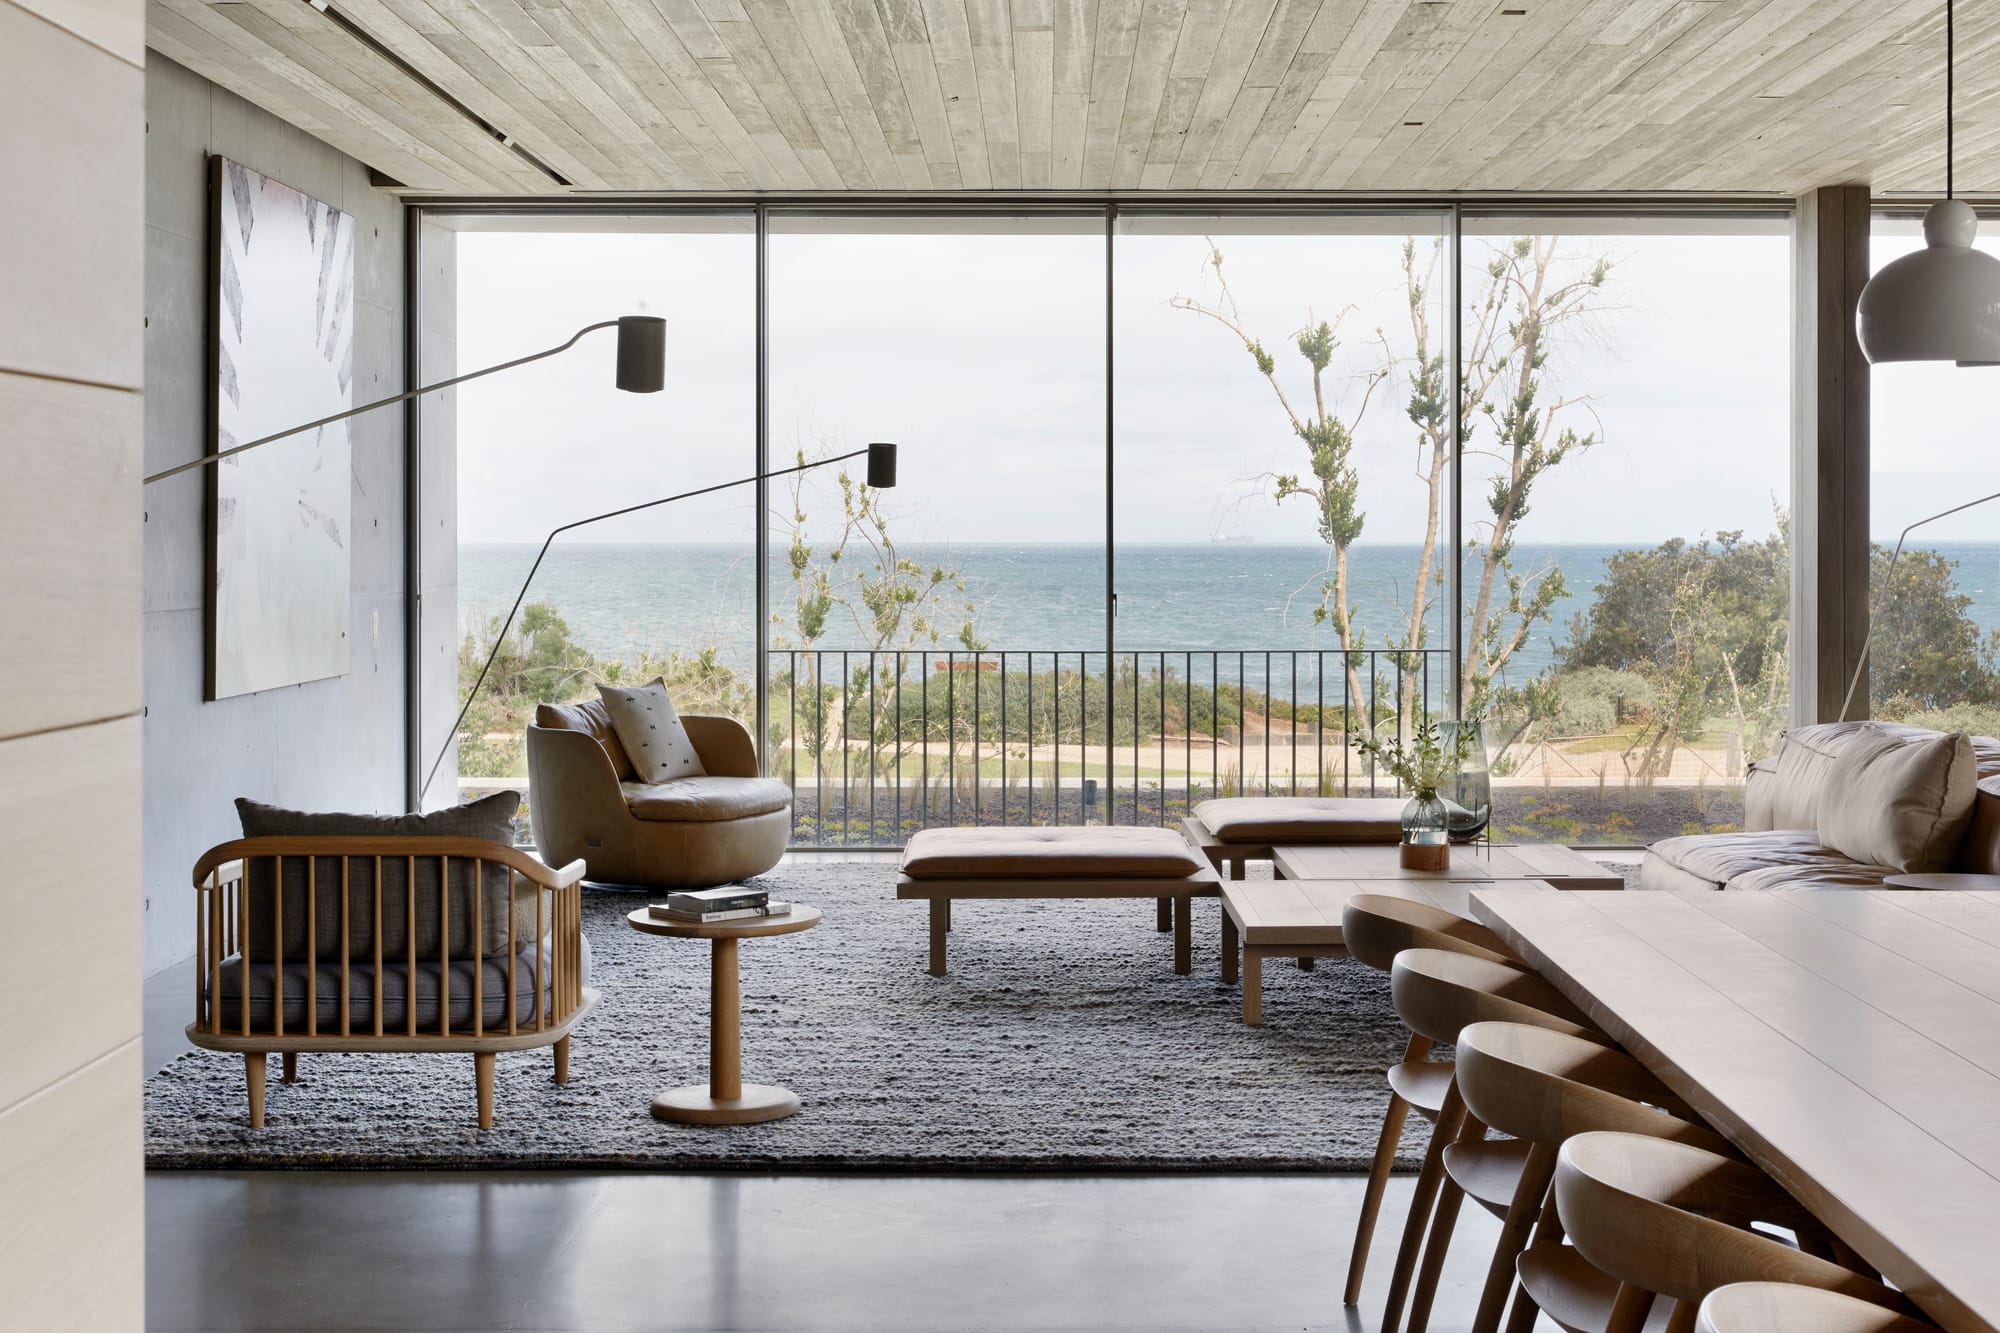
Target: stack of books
{"points": [[731, 902]]}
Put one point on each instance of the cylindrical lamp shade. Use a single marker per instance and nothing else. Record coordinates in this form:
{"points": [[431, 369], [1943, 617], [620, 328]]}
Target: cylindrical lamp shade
{"points": [[642, 353], [1941, 303], [881, 466]]}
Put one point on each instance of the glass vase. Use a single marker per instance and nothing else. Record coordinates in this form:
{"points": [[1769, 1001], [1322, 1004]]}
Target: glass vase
{"points": [[1425, 820], [1468, 793]]}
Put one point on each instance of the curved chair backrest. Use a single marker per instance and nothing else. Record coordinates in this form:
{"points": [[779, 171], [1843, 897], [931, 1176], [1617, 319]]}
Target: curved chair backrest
{"points": [[1376, 927], [1438, 994], [1545, 1086], [1674, 1219], [1783, 1307]]}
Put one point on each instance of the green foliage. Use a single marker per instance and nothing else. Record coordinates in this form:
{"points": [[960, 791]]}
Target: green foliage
{"points": [[1597, 699], [540, 663], [1925, 652], [1423, 763]]}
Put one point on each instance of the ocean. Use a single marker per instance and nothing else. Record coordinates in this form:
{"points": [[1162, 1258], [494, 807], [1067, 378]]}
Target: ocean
{"points": [[619, 600]]}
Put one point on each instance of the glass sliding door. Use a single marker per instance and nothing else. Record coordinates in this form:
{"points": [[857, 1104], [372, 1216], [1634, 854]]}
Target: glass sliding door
{"points": [[937, 651], [669, 592], [1934, 648], [1283, 482], [1626, 562]]}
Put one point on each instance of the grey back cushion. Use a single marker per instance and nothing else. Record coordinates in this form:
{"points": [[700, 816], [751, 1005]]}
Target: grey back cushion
{"points": [[489, 818]]}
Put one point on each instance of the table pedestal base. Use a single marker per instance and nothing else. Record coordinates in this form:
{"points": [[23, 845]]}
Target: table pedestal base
{"points": [[695, 1106]]}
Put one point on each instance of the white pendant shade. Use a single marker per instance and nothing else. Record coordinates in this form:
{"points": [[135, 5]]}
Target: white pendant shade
{"points": [[1941, 303]]}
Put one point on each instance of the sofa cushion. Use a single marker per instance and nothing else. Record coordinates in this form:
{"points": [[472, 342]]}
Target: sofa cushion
{"points": [[490, 818], [1899, 801], [1979, 854], [1714, 859], [705, 800], [1050, 853], [1277, 820], [1829, 872], [593, 718], [396, 977], [650, 729]]}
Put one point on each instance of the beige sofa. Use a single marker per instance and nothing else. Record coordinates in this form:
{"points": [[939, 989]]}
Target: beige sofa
{"points": [[584, 802], [1783, 797]]}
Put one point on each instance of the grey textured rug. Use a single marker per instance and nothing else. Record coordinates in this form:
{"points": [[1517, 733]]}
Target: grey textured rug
{"points": [[1062, 1040]]}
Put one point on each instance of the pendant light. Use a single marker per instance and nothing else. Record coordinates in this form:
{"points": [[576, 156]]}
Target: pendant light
{"points": [[1941, 303]]}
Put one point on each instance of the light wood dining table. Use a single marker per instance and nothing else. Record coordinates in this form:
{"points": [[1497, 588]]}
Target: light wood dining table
{"points": [[1847, 1041]]}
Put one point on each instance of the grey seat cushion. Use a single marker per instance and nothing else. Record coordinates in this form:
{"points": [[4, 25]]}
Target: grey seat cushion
{"points": [[1276, 820], [396, 978], [490, 818], [1731, 860]]}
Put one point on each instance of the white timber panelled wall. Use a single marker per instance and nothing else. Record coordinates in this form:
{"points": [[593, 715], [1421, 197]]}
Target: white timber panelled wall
{"points": [[71, 258], [327, 744]]}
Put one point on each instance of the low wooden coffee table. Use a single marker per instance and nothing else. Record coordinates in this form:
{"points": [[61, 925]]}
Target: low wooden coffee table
{"points": [[1560, 866], [1300, 918], [725, 1099]]}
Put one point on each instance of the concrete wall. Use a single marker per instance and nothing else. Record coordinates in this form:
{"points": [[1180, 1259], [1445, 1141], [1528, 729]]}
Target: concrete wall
{"points": [[71, 256], [332, 744]]}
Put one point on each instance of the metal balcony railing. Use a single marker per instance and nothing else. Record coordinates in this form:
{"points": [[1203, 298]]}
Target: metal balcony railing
{"points": [[877, 745]]}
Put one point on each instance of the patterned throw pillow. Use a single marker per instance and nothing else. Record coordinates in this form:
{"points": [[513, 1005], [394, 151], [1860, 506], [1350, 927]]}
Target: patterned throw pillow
{"points": [[652, 732]]}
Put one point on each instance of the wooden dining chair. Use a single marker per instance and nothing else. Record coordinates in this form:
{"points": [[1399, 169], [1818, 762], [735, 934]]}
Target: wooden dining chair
{"points": [[1438, 995], [1375, 928], [1781, 1307], [1658, 1219], [1539, 1087]]}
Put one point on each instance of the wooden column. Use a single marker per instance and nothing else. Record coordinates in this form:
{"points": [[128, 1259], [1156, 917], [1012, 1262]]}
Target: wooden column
{"points": [[1829, 454]]}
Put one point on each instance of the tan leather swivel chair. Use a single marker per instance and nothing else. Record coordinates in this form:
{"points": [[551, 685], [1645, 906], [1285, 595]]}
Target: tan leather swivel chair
{"points": [[585, 801]]}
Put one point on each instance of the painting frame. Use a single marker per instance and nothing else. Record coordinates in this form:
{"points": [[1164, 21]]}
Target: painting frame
{"points": [[280, 296]]}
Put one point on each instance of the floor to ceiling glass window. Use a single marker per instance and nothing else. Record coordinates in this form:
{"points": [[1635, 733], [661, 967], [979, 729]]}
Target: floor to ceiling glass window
{"points": [[1283, 471], [666, 592], [1626, 562], [1934, 648], [1178, 511], [937, 650]]}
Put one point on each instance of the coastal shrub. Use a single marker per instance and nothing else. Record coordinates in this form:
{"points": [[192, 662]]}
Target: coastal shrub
{"points": [[1596, 700]]}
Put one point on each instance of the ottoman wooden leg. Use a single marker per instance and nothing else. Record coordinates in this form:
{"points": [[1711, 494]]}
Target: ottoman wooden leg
{"points": [[1183, 936], [940, 923], [1253, 987], [1229, 948], [291, 1066], [1164, 916], [253, 1077], [1305, 964]]}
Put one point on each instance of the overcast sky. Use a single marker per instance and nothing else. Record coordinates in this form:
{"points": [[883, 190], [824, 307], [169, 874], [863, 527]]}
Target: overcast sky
{"points": [[983, 355]]}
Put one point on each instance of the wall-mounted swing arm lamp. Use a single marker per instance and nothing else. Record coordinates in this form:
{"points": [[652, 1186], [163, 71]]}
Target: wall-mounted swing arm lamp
{"points": [[642, 368], [881, 475]]}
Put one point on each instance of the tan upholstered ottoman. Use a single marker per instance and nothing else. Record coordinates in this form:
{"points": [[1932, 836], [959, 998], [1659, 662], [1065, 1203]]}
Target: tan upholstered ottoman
{"points": [[1234, 830], [942, 864]]}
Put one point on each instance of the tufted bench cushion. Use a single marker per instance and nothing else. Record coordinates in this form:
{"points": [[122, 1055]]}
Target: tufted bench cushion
{"points": [[1277, 821], [1050, 853]]}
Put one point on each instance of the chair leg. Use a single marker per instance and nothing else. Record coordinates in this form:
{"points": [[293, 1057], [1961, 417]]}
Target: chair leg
{"points": [[1629, 1310], [253, 1077], [1450, 1117], [1163, 915], [291, 1066], [1371, 1200], [1548, 1231], [1536, 1174], [1444, 1221], [482, 1069], [562, 1060]]}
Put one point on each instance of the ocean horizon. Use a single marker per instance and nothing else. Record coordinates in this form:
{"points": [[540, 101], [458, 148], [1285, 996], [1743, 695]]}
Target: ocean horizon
{"points": [[620, 599]]}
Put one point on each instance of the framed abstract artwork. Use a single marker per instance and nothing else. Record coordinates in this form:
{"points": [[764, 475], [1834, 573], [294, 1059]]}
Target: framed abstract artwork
{"points": [[281, 352]]}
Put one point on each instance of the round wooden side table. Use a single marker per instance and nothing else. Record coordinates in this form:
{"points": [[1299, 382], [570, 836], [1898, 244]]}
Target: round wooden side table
{"points": [[1951, 881], [725, 1099]]}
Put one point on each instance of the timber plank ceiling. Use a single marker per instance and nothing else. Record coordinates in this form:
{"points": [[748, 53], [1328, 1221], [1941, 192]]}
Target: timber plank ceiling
{"points": [[508, 97]]}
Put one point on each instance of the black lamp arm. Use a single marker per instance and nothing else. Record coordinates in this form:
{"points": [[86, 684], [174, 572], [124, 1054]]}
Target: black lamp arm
{"points": [[206, 459], [500, 639]]}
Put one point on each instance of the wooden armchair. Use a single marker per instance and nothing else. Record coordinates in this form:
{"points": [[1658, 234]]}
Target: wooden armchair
{"points": [[426, 964]]}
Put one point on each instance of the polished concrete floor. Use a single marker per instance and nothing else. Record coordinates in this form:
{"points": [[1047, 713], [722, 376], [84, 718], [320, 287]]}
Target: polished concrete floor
{"points": [[280, 1250]]}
